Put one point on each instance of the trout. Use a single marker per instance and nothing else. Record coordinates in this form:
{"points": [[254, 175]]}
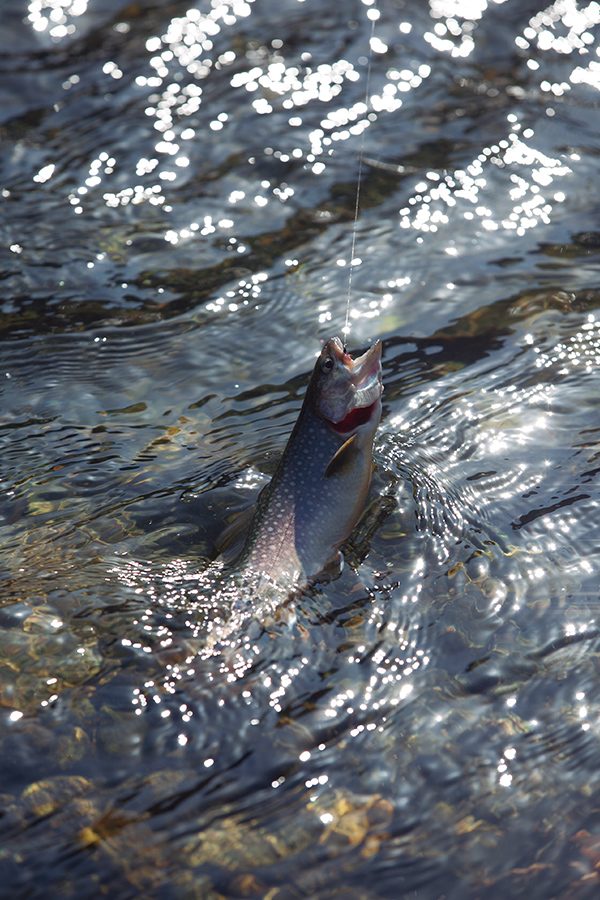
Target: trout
{"points": [[318, 491]]}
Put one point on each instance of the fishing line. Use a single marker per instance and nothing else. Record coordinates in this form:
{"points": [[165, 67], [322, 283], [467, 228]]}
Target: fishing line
{"points": [[373, 15]]}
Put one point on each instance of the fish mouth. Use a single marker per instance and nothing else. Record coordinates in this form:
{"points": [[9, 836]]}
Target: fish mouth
{"points": [[360, 415], [366, 377], [365, 383]]}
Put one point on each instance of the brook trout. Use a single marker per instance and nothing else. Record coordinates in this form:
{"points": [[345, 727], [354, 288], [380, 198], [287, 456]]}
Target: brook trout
{"points": [[318, 490]]}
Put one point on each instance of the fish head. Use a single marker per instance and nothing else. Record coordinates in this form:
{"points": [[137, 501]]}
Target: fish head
{"points": [[346, 392]]}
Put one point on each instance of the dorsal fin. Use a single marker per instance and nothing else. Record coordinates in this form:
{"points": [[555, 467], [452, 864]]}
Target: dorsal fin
{"points": [[343, 459]]}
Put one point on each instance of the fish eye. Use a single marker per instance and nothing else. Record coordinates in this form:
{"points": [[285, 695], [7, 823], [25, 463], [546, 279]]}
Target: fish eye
{"points": [[327, 364]]}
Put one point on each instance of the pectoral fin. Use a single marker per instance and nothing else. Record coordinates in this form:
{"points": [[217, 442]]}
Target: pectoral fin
{"points": [[333, 568], [343, 459], [230, 542]]}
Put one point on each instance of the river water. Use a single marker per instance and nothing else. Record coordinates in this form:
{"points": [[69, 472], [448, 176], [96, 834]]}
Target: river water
{"points": [[177, 189]]}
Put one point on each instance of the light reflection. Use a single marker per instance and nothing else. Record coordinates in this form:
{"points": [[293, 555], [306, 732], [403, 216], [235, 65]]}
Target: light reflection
{"points": [[531, 170], [543, 173], [185, 55], [500, 420], [216, 634], [543, 29], [450, 34], [52, 16], [561, 28], [45, 173], [580, 353]]}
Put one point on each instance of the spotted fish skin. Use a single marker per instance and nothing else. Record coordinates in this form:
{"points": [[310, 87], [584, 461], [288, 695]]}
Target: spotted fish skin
{"points": [[318, 490]]}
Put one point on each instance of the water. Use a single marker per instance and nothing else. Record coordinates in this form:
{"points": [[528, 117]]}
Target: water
{"points": [[177, 187]]}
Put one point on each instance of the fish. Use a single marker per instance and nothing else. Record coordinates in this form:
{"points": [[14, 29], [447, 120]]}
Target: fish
{"points": [[318, 490]]}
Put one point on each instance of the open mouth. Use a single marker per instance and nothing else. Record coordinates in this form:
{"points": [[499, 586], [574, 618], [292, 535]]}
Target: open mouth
{"points": [[369, 392], [358, 416], [351, 397], [366, 379]]}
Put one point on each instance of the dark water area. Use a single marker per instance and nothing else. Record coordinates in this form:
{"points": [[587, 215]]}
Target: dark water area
{"points": [[177, 190]]}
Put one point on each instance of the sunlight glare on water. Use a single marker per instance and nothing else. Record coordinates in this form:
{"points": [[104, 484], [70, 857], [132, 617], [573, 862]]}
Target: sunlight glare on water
{"points": [[56, 16], [178, 189]]}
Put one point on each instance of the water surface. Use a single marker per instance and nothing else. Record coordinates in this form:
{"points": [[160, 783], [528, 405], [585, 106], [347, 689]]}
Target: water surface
{"points": [[178, 186]]}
